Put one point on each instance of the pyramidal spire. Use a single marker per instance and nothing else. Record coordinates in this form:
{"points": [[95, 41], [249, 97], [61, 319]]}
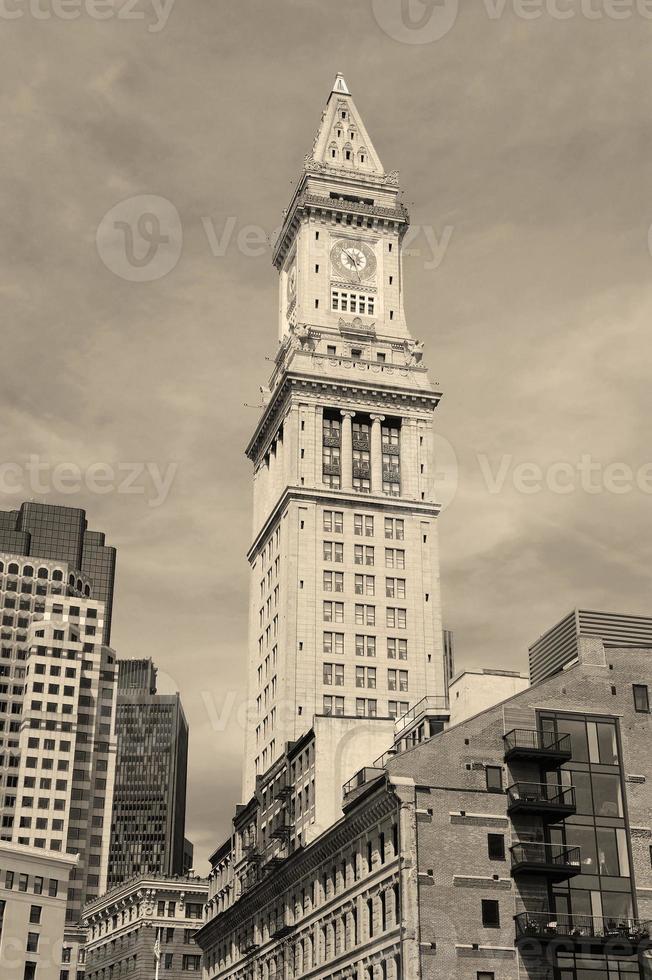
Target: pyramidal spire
{"points": [[342, 141]]}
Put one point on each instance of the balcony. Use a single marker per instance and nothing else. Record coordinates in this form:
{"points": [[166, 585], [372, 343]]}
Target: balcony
{"points": [[584, 930], [554, 861], [331, 469], [432, 704], [550, 750], [360, 442], [391, 474], [362, 471], [552, 803], [362, 779], [282, 832]]}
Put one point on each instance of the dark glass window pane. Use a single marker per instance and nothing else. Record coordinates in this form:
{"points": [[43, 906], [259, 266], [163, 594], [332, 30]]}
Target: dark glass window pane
{"points": [[607, 744], [577, 731], [584, 838], [607, 798], [616, 905], [641, 697], [583, 799], [607, 851], [494, 779]]}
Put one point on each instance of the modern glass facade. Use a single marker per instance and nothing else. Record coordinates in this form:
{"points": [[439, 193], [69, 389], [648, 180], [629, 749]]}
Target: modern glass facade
{"points": [[61, 534], [149, 803]]}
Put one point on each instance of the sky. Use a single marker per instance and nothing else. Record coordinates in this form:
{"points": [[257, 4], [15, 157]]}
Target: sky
{"points": [[129, 385]]}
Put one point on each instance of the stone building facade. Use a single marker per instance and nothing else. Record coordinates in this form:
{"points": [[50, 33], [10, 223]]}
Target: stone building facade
{"points": [[140, 919], [345, 615]]}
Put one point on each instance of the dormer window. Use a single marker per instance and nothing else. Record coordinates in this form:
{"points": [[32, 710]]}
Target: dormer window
{"points": [[343, 114]]}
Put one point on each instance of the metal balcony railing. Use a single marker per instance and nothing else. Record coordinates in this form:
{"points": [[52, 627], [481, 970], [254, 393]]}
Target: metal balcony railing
{"points": [[541, 798], [390, 449], [362, 778], [431, 704], [360, 442], [332, 439], [331, 469], [530, 743], [554, 860], [391, 474], [546, 926]]}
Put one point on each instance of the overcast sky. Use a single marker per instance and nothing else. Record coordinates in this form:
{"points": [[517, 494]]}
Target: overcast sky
{"points": [[524, 148]]}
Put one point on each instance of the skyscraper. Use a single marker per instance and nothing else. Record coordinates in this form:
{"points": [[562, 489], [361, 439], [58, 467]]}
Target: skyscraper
{"points": [[58, 687], [345, 615], [149, 804], [52, 531]]}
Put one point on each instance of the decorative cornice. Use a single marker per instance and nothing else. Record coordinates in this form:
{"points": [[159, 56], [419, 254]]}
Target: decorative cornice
{"points": [[303, 862]]}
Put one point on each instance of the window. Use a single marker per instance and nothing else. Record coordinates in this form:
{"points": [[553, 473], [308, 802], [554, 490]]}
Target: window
{"points": [[35, 915], [191, 963], [32, 942], [365, 646], [483, 975], [494, 776], [333, 582], [641, 698], [333, 705], [346, 302], [333, 551], [496, 847], [363, 524], [334, 674], [333, 521], [365, 585], [490, 914]]}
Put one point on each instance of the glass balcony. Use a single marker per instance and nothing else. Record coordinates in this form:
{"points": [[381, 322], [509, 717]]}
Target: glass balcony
{"points": [[549, 749], [553, 860], [550, 802], [583, 929]]}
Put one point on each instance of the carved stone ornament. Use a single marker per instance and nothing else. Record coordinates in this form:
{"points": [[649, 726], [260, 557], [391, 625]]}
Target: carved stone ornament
{"points": [[356, 326], [302, 333], [414, 351]]}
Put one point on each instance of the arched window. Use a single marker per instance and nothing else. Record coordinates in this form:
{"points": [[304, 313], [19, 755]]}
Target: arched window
{"points": [[57, 575], [42, 573], [2, 566], [348, 152], [332, 151], [71, 581], [87, 590], [80, 585], [13, 568], [362, 155], [28, 571]]}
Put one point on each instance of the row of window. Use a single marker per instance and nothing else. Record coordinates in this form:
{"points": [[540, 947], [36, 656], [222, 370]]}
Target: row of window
{"points": [[364, 585], [363, 554], [334, 675], [365, 646], [364, 707], [395, 617], [363, 525]]}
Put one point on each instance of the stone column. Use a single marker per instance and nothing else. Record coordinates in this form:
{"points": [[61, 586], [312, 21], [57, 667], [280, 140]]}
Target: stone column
{"points": [[346, 452], [376, 454]]}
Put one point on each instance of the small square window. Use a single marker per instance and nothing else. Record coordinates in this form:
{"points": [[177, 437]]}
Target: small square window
{"points": [[483, 975], [490, 914], [496, 847], [494, 776], [641, 698]]}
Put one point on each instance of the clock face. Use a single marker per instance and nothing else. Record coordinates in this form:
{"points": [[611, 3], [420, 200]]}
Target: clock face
{"points": [[355, 261], [292, 283]]}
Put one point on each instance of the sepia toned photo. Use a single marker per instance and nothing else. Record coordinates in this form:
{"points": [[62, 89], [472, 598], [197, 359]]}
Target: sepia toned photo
{"points": [[325, 487]]}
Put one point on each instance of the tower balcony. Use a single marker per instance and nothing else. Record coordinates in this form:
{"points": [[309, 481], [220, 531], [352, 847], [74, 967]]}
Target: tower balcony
{"points": [[552, 803], [548, 749], [391, 449], [360, 442], [362, 470], [630, 935], [332, 469], [555, 861], [391, 474]]}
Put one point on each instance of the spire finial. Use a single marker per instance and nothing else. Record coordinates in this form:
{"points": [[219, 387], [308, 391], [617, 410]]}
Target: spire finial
{"points": [[340, 85]]}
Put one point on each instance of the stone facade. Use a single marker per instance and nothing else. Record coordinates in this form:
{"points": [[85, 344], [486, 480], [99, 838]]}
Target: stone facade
{"points": [[124, 925], [345, 614]]}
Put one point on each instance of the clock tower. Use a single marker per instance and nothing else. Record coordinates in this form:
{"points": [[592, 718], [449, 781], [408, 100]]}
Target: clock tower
{"points": [[345, 616]]}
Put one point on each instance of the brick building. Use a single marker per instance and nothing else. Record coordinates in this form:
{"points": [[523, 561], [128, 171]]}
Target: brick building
{"points": [[123, 927], [513, 845]]}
